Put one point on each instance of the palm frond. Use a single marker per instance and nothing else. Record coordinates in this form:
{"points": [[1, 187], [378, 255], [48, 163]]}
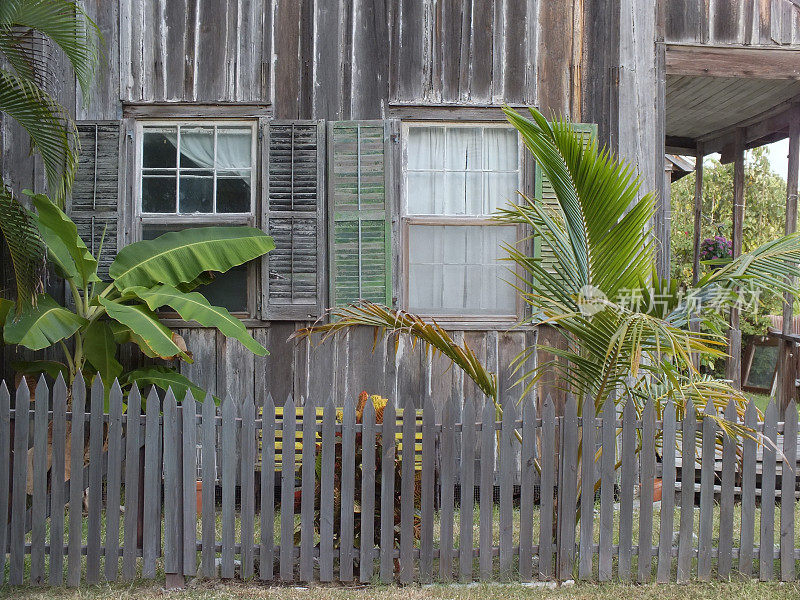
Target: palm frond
{"points": [[52, 131], [397, 323], [25, 246]]}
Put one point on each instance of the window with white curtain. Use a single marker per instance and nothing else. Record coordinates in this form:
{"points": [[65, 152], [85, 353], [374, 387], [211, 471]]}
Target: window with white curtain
{"points": [[195, 174], [456, 176]]}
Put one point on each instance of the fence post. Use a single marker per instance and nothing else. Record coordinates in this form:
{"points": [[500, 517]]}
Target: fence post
{"points": [[387, 492], [407, 492], [188, 475], [368, 450], [76, 487], [788, 480], [39, 477], [133, 430], [767, 546], [326, 514], [173, 498], [507, 468], [347, 514], [228, 460], [607, 464], [627, 483], [667, 494], [726, 499], [447, 446], [208, 460], [706, 493], [748, 493], [266, 556], [57, 469], [248, 465], [95, 496], [646, 484], [308, 483], [486, 514], [686, 524], [568, 489], [288, 433], [113, 481], [588, 437], [151, 515]]}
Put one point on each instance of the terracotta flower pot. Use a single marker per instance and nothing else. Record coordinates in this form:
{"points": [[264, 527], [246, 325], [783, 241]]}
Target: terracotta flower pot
{"points": [[199, 496], [657, 490]]}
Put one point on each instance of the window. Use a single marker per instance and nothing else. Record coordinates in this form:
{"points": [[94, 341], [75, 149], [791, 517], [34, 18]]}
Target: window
{"points": [[195, 174], [456, 176]]}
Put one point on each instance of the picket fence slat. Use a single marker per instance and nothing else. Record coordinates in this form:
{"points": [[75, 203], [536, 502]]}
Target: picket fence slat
{"points": [[346, 518], [75, 483], [788, 483], [208, 465], [725, 560], [266, 549], [326, 515], [426, 488], [688, 430], [95, 497], [767, 538], [407, 493], [607, 462], [546, 490], [248, 501], [627, 483], [288, 432], [706, 493], [447, 447], [132, 484], [588, 436], [155, 463], [748, 514], [646, 484], [189, 410], [307, 474], [229, 463], [39, 477], [568, 489], [57, 470], [526, 492], [667, 516], [19, 485], [5, 471], [486, 504], [467, 499], [367, 555], [173, 479], [387, 506], [113, 482]]}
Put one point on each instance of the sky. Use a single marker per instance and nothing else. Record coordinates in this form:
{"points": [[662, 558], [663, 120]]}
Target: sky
{"points": [[778, 153]]}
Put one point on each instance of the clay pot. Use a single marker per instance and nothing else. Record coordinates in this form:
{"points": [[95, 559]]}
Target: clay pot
{"points": [[199, 496], [657, 490]]}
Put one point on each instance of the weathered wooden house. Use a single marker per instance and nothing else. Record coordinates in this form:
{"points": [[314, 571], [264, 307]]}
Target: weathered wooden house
{"points": [[366, 137]]}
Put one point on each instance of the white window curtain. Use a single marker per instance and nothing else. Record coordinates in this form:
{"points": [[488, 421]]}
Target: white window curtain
{"points": [[233, 149]]}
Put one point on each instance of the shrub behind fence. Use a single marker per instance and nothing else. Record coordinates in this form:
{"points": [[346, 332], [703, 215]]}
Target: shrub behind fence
{"points": [[120, 499]]}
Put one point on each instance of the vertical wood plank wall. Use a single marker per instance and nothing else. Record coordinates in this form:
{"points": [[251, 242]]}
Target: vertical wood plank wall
{"points": [[392, 525]]}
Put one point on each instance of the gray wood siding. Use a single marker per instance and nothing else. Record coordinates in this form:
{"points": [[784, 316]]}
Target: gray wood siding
{"points": [[732, 22]]}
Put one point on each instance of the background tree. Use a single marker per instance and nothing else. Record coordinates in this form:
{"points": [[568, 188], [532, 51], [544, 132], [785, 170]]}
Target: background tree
{"points": [[764, 218]]}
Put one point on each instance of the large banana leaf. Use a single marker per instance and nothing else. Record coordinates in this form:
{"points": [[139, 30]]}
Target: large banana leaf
{"points": [[194, 307], [53, 368], [58, 227], [146, 326], [180, 257], [165, 378], [43, 325], [100, 350]]}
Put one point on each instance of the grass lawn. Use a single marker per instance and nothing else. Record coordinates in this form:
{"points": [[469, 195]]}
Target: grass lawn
{"points": [[208, 590]]}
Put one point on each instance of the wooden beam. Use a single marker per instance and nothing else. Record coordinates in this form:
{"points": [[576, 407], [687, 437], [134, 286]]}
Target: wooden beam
{"points": [[773, 121], [718, 61], [734, 366], [786, 371], [698, 213]]}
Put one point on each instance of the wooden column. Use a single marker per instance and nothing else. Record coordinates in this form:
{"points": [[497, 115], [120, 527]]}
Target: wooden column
{"points": [[698, 211], [786, 362], [734, 366]]}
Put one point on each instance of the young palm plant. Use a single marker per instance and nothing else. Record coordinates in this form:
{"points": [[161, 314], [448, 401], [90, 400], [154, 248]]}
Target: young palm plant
{"points": [[627, 334], [29, 30]]}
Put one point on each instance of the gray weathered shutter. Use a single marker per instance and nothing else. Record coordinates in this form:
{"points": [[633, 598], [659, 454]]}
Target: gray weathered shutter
{"points": [[94, 202], [360, 223], [294, 215]]}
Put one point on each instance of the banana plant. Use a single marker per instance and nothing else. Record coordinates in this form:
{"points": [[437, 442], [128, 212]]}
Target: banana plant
{"points": [[144, 277]]}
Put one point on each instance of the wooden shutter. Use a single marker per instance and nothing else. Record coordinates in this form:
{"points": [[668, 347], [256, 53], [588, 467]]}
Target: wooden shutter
{"points": [[544, 191], [360, 224], [294, 215], [94, 202]]}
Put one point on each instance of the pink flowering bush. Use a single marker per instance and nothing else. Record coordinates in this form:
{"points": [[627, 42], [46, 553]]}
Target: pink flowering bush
{"points": [[716, 248]]}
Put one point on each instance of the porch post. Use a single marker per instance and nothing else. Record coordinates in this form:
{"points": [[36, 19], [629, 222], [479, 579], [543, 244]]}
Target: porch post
{"points": [[786, 362], [734, 368], [696, 233]]}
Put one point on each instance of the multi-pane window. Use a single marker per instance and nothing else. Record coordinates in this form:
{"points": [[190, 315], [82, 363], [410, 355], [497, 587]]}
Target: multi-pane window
{"points": [[456, 176], [194, 175]]}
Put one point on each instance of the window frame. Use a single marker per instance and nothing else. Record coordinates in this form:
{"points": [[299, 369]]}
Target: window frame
{"points": [[525, 184], [140, 218]]}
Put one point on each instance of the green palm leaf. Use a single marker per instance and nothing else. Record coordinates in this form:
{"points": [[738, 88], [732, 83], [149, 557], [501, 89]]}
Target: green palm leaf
{"points": [[45, 324], [25, 246]]}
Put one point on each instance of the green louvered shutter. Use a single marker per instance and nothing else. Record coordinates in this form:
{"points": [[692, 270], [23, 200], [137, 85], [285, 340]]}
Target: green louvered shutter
{"points": [[93, 203], [544, 190], [294, 215], [360, 224]]}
